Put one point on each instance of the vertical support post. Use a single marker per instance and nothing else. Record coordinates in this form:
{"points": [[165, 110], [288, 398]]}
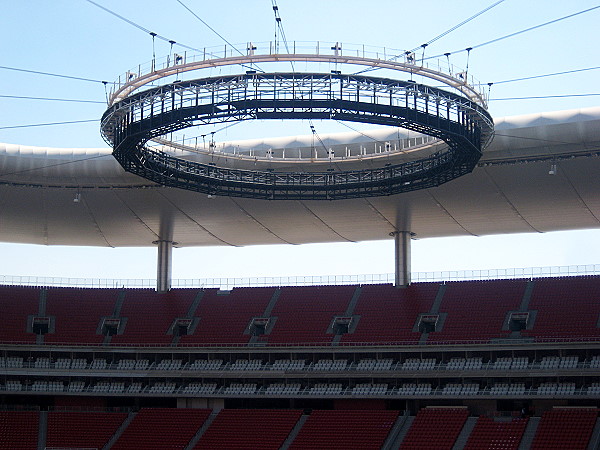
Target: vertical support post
{"points": [[164, 263], [402, 250]]}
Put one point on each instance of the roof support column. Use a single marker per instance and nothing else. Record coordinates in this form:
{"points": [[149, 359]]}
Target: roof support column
{"points": [[402, 266], [163, 270]]}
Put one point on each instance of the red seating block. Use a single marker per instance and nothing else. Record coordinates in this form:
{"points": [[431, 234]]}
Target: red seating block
{"points": [[565, 428], [77, 313], [304, 314], [566, 307], [345, 430], [150, 314], [477, 309], [82, 429], [388, 314], [241, 429], [18, 302], [435, 429], [491, 434], [19, 430], [224, 318], [161, 428]]}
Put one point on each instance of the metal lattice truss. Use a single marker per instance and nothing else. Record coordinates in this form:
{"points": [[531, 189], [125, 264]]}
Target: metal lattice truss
{"points": [[462, 124]]}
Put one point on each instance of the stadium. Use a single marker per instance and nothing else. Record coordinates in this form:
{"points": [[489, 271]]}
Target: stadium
{"points": [[289, 142]]}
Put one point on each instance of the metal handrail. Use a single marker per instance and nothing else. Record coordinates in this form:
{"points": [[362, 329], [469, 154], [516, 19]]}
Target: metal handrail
{"points": [[228, 283], [487, 343], [337, 53]]}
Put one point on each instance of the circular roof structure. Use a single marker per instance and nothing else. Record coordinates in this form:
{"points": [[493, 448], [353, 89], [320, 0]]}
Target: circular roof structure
{"points": [[539, 174], [456, 117]]}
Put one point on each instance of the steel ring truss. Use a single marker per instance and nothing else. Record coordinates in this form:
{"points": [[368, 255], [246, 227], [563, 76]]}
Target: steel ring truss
{"points": [[462, 124]]}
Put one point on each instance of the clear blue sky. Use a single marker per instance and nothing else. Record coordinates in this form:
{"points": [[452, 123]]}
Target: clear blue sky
{"points": [[76, 38]]}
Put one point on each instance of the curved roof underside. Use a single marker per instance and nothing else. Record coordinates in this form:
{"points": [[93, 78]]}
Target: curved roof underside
{"points": [[511, 191]]}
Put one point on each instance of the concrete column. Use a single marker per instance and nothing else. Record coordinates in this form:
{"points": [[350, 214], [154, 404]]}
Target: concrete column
{"points": [[163, 271], [402, 267]]}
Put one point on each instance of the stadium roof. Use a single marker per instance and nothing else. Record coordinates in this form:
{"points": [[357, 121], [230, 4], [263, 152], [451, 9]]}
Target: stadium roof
{"points": [[538, 175]]}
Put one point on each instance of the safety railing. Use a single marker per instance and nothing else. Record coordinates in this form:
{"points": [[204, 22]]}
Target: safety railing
{"points": [[227, 283], [449, 344], [316, 48]]}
